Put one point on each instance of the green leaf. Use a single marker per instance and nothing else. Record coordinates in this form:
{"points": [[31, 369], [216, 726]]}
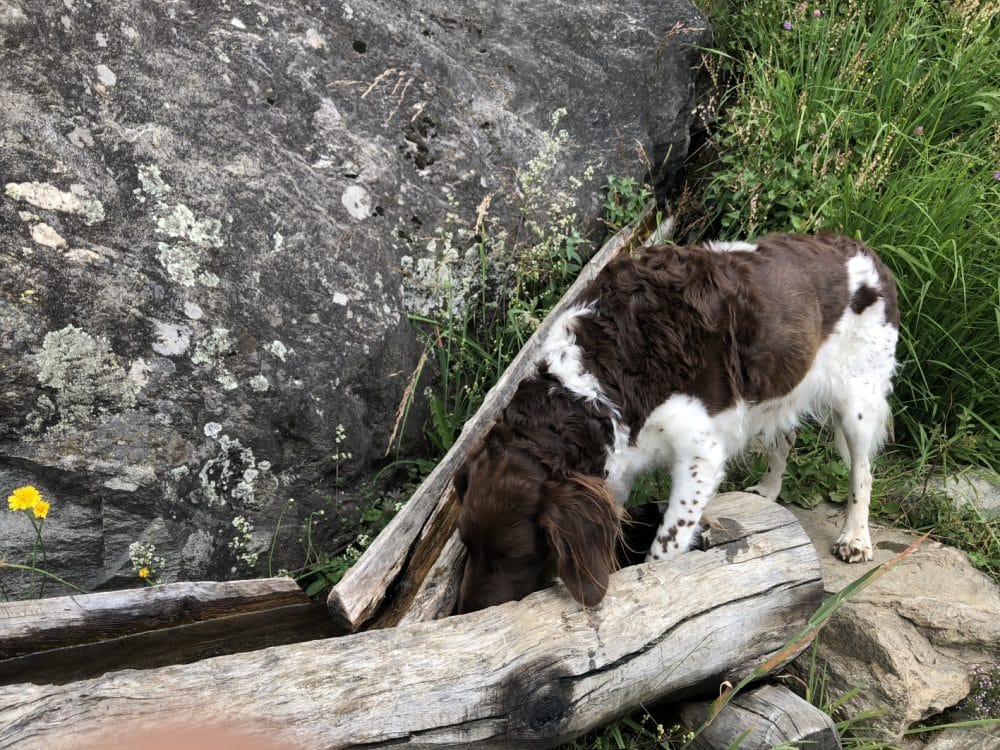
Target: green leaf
{"points": [[315, 587]]}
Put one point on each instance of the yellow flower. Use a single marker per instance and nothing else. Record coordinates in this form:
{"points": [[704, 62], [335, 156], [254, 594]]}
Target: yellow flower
{"points": [[143, 572], [40, 509], [25, 498]]}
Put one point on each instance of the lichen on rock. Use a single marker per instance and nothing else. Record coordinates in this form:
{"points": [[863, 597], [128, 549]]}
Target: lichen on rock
{"points": [[85, 374], [181, 223], [50, 198], [211, 350], [236, 204], [231, 476]]}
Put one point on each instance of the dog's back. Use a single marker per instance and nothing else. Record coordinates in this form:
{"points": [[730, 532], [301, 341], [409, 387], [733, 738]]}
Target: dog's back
{"points": [[721, 325]]}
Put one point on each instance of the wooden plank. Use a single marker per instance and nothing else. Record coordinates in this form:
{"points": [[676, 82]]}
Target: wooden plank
{"points": [[180, 644], [532, 673], [438, 593], [385, 564], [41, 624], [762, 718], [410, 590]]}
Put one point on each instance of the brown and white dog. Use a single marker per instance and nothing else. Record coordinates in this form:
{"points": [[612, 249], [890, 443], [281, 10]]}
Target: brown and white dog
{"points": [[677, 357]]}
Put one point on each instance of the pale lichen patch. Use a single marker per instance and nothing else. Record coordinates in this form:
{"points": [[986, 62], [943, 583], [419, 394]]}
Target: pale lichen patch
{"points": [[209, 279], [45, 235], [171, 339], [85, 374], [278, 349], [210, 351], [357, 202], [231, 476], [181, 223], [50, 198], [140, 371], [181, 263], [106, 75], [83, 255], [314, 40], [152, 183], [81, 137]]}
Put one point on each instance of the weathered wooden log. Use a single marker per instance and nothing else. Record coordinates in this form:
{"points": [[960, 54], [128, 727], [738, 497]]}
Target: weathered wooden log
{"points": [[531, 673], [760, 719], [400, 557], [72, 637]]}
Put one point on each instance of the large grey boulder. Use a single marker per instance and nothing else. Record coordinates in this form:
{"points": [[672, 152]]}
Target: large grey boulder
{"points": [[216, 217], [909, 642]]}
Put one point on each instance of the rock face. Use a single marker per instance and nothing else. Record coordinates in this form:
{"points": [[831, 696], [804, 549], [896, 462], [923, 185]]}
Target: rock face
{"points": [[970, 488], [207, 211], [911, 639]]}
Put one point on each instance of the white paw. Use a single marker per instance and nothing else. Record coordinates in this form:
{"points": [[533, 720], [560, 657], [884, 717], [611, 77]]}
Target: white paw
{"points": [[768, 493], [854, 548]]}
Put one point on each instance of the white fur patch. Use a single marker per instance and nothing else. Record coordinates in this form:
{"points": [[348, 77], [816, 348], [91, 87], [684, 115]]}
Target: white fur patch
{"points": [[861, 271], [731, 247], [564, 359]]}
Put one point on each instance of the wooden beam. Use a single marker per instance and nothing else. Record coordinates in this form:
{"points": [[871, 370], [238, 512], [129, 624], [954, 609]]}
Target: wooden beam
{"points": [[41, 624], [401, 556], [180, 644], [760, 719], [532, 673]]}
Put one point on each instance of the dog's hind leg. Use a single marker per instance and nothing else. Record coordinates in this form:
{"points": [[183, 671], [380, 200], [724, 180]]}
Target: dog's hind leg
{"points": [[863, 423], [769, 485]]}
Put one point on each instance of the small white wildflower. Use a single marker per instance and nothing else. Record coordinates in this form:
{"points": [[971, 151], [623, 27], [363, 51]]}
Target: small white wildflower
{"points": [[240, 542]]}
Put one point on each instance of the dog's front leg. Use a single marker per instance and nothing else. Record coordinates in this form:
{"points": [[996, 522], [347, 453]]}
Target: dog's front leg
{"points": [[694, 480]]}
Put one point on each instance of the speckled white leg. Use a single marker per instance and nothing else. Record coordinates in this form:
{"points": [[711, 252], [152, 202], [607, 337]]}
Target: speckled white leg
{"points": [[863, 422], [694, 480]]}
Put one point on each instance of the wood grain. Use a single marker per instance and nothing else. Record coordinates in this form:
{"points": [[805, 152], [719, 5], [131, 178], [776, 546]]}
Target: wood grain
{"points": [[180, 644], [532, 673]]}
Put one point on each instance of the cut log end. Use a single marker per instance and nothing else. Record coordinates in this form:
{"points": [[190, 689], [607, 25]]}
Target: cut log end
{"points": [[762, 718]]}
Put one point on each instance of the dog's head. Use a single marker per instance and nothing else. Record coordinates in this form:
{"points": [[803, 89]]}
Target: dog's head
{"points": [[517, 519]]}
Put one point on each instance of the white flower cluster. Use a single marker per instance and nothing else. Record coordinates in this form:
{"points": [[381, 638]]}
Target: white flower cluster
{"points": [[143, 557], [340, 435], [241, 541]]}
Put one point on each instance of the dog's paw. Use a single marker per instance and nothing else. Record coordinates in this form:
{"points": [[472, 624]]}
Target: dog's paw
{"points": [[657, 552], [854, 548], [768, 493]]}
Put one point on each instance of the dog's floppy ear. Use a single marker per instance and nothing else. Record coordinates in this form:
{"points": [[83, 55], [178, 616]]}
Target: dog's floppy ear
{"points": [[583, 523], [461, 480]]}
